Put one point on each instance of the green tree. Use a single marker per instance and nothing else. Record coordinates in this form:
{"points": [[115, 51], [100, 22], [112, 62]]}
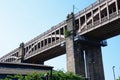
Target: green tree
{"points": [[72, 76], [118, 78], [34, 76], [19, 77], [67, 33], [60, 75], [57, 75]]}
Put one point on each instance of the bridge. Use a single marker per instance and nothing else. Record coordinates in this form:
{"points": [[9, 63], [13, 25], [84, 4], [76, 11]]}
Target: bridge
{"points": [[80, 36]]}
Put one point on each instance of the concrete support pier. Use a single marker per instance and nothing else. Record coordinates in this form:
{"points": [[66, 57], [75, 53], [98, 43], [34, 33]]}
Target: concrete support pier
{"points": [[94, 63], [75, 58], [21, 53], [83, 57]]}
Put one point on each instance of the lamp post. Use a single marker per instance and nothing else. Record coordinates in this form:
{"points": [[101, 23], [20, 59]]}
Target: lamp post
{"points": [[113, 72]]}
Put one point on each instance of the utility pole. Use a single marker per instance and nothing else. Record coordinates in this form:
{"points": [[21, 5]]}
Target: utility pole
{"points": [[73, 9], [114, 72]]}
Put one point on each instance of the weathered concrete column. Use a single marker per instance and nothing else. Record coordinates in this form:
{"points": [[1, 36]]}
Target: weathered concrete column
{"points": [[94, 63], [21, 53], [75, 57]]}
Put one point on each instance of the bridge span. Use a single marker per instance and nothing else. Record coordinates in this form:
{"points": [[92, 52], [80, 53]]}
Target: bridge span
{"points": [[80, 36]]}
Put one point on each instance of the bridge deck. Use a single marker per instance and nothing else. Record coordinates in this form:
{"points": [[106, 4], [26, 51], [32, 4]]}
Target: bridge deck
{"points": [[105, 31], [99, 21]]}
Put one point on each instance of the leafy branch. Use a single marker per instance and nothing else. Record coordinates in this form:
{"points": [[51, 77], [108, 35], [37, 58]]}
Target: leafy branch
{"points": [[67, 33]]}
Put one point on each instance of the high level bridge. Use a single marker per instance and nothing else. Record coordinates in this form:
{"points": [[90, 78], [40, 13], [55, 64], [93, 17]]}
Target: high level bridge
{"points": [[80, 37]]}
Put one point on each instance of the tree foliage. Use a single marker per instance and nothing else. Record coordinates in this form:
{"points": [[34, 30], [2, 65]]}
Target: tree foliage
{"points": [[118, 78], [57, 75], [60, 75], [67, 33]]}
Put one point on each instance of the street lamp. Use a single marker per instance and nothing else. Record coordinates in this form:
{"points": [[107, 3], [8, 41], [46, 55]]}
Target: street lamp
{"points": [[113, 72]]}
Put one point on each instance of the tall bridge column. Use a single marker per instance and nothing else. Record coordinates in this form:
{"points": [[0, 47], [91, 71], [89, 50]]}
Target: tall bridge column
{"points": [[84, 56], [94, 63], [75, 57], [21, 53]]}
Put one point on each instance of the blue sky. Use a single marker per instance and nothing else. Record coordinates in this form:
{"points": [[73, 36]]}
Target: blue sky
{"points": [[22, 20]]}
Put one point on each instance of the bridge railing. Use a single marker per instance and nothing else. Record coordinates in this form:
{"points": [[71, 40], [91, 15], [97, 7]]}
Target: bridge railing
{"points": [[90, 7], [104, 19], [9, 54], [47, 32], [96, 23], [113, 15]]}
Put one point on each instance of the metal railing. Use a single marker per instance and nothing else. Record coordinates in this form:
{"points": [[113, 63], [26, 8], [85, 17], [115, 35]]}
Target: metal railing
{"points": [[103, 20], [113, 15], [96, 22], [89, 26]]}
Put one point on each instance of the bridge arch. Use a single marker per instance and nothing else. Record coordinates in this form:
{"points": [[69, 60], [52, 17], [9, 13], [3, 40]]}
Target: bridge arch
{"points": [[10, 59], [45, 41]]}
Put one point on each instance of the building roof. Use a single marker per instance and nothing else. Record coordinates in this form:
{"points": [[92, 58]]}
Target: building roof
{"points": [[25, 64], [22, 68]]}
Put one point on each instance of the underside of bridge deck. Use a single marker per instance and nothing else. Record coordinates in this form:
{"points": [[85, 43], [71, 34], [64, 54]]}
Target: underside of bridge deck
{"points": [[105, 31], [46, 55]]}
